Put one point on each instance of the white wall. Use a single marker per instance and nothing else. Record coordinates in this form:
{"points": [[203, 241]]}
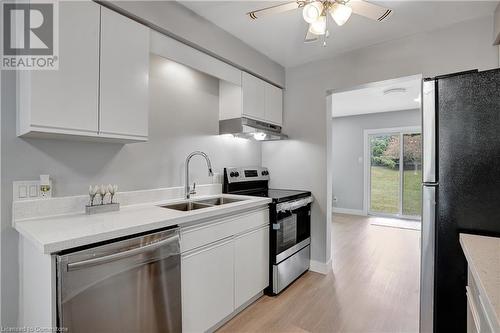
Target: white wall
{"points": [[183, 118], [496, 35], [1, 108], [302, 161], [497, 23], [348, 152], [182, 23]]}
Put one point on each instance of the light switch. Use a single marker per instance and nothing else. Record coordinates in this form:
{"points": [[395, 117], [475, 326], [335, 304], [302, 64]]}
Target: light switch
{"points": [[23, 192], [29, 190], [33, 191]]}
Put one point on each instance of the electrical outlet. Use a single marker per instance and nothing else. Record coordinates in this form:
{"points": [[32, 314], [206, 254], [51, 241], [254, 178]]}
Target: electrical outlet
{"points": [[29, 190]]}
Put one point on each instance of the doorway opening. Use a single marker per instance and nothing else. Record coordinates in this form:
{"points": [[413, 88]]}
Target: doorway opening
{"points": [[393, 172], [375, 167], [374, 162]]}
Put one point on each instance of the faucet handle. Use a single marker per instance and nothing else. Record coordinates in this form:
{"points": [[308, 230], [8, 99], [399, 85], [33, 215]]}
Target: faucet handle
{"points": [[193, 190]]}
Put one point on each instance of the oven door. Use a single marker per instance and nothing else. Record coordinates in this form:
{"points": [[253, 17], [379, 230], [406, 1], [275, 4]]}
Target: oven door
{"points": [[291, 230]]}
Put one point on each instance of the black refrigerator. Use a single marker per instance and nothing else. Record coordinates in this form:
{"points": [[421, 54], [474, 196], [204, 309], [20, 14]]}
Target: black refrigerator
{"points": [[461, 187]]}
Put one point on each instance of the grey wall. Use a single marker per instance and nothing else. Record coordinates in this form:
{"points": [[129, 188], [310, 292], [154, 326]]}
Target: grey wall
{"points": [[496, 36], [302, 161], [183, 117], [186, 25], [348, 151]]}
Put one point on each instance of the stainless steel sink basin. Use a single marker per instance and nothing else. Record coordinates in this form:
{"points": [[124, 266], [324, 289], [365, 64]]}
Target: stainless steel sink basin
{"points": [[187, 206], [218, 201]]}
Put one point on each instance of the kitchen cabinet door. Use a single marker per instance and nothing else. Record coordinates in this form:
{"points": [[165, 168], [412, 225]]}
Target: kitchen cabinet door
{"points": [[251, 264], [254, 97], [207, 286], [65, 100], [124, 76], [274, 104]]}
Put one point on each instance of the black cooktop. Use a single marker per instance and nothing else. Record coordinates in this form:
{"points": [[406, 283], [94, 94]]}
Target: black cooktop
{"points": [[279, 195]]}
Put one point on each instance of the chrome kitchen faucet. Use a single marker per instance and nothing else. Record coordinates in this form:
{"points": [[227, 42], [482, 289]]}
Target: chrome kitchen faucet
{"points": [[188, 190]]}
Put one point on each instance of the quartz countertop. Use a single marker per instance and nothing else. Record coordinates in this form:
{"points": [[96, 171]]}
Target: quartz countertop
{"points": [[57, 233], [483, 257]]}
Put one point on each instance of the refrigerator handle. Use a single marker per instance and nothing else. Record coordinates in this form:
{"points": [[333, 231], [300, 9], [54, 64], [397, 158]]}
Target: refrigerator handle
{"points": [[429, 131], [428, 251]]}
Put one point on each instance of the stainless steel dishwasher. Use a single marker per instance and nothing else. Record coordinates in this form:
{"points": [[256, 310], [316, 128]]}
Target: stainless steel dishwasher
{"points": [[129, 285]]}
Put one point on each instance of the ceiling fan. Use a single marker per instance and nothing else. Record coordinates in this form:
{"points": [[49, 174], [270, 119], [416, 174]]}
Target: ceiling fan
{"points": [[315, 13]]}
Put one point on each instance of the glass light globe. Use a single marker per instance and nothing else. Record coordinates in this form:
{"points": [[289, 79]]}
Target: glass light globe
{"points": [[340, 13], [318, 27], [312, 11]]}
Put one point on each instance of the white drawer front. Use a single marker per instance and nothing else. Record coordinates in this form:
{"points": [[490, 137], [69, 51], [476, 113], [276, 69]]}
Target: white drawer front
{"points": [[196, 236], [479, 313]]}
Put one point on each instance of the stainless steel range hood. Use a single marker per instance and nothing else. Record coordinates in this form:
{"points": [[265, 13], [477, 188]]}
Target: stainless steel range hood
{"points": [[251, 129]]}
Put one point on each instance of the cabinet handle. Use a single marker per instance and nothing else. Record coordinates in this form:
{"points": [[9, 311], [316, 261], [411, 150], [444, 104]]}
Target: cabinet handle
{"points": [[121, 255]]}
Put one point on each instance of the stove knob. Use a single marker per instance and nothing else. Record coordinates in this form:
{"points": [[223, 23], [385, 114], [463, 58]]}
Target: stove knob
{"points": [[236, 174], [263, 173], [232, 174]]}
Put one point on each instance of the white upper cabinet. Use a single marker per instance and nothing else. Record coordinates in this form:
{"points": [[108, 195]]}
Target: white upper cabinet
{"points": [[124, 76], [274, 104], [254, 95], [255, 99], [100, 91], [65, 100]]}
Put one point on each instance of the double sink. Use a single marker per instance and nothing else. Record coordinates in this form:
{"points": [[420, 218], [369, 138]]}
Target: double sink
{"points": [[200, 204]]}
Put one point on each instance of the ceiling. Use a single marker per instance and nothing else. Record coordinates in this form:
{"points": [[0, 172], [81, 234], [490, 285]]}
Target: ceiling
{"points": [[281, 36], [378, 97]]}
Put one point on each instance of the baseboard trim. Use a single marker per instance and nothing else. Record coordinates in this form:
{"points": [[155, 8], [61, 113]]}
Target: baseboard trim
{"points": [[320, 267], [348, 211]]}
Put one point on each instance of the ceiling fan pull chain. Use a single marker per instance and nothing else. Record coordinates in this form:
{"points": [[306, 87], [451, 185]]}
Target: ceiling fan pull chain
{"points": [[325, 36]]}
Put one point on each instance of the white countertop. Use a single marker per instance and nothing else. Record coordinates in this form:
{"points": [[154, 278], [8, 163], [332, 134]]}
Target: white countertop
{"points": [[483, 257], [57, 233]]}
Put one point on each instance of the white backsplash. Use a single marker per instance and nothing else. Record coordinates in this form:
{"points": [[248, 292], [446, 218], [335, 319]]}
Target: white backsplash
{"points": [[29, 209]]}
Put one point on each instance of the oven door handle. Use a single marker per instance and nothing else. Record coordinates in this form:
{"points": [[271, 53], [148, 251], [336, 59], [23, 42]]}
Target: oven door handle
{"points": [[292, 205]]}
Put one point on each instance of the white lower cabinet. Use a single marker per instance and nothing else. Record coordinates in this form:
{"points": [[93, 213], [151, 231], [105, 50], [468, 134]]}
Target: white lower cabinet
{"points": [[225, 272], [251, 264], [478, 316], [207, 286]]}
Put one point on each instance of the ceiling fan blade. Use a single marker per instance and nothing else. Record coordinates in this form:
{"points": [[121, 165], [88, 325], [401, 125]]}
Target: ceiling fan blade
{"points": [[276, 9], [310, 37], [370, 10]]}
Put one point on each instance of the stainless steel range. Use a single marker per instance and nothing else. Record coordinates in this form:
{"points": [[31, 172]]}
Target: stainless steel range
{"points": [[290, 215]]}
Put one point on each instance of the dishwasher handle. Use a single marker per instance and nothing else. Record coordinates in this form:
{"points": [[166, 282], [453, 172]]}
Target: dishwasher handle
{"points": [[121, 255]]}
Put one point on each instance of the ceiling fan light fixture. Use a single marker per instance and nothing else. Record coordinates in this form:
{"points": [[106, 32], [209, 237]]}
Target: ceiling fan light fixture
{"points": [[318, 27], [340, 13], [312, 11]]}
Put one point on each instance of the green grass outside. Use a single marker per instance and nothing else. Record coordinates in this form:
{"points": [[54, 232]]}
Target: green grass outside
{"points": [[384, 194]]}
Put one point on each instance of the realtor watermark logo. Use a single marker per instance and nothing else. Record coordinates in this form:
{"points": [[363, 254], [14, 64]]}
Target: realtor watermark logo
{"points": [[30, 39]]}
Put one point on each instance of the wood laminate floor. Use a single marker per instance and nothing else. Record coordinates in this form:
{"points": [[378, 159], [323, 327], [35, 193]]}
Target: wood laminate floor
{"points": [[374, 287]]}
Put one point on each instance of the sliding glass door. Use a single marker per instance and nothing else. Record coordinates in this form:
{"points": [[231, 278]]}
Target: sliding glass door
{"points": [[412, 174], [394, 173]]}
